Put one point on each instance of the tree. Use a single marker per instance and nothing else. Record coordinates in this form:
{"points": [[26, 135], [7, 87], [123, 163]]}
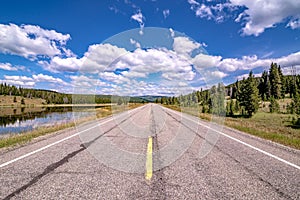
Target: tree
{"points": [[248, 95], [264, 86], [275, 82], [217, 100], [274, 106], [230, 108]]}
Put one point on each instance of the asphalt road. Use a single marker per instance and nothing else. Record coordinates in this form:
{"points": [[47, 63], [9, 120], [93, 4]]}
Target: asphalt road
{"points": [[150, 153]]}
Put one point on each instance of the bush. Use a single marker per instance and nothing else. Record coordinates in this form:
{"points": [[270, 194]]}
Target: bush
{"points": [[23, 101]]}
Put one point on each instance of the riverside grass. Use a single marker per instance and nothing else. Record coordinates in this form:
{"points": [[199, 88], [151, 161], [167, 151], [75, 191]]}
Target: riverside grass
{"points": [[25, 137], [271, 126]]}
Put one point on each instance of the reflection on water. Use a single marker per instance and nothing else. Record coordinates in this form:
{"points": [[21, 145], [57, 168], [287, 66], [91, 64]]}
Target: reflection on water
{"points": [[17, 120]]}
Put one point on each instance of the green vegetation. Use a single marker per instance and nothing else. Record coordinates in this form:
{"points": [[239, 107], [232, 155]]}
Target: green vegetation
{"points": [[266, 106]]}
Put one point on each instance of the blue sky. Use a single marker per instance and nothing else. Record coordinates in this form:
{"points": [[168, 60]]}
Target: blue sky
{"points": [[149, 47]]}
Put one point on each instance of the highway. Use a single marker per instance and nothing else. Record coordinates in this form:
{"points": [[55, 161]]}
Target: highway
{"points": [[150, 152]]}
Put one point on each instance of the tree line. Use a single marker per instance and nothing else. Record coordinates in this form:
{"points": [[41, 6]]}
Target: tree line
{"points": [[53, 97], [245, 96]]}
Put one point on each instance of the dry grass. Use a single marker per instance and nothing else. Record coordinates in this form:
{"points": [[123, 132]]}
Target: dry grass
{"points": [[271, 126], [9, 101]]}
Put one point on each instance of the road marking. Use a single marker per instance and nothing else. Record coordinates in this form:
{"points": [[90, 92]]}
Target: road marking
{"points": [[59, 141], [149, 172], [244, 143]]}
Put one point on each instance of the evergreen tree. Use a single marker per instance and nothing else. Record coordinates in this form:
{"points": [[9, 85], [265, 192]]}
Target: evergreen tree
{"points": [[248, 95], [275, 82], [264, 86], [274, 106]]}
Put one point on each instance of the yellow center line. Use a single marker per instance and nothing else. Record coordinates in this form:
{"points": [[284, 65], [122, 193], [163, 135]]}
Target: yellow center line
{"points": [[148, 174]]}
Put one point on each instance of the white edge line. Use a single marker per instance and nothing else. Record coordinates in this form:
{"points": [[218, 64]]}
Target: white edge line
{"points": [[57, 142], [244, 143]]}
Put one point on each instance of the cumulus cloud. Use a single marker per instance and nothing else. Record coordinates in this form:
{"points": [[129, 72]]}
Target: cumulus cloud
{"points": [[58, 64], [184, 46], [201, 61], [255, 15], [251, 62], [8, 67], [48, 78], [260, 15], [140, 19], [32, 41], [141, 63], [97, 58], [114, 78], [26, 81]]}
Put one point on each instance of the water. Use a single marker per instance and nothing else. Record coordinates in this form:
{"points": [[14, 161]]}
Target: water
{"points": [[18, 120]]}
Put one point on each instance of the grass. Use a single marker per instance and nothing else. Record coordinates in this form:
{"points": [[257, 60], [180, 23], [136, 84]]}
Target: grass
{"points": [[25, 137], [271, 126], [9, 101]]}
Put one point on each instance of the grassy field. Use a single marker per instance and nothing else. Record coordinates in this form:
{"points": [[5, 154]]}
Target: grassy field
{"points": [[9, 101], [18, 139], [271, 126]]}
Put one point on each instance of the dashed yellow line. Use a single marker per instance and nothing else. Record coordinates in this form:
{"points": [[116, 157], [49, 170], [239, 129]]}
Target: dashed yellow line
{"points": [[149, 172]]}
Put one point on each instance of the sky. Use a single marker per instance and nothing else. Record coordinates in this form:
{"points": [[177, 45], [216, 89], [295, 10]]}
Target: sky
{"points": [[144, 47]]}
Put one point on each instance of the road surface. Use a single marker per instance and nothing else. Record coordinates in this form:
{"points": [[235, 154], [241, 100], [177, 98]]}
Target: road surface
{"points": [[150, 152]]}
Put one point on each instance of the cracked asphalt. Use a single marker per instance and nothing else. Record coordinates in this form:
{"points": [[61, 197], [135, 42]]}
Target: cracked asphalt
{"points": [[190, 161]]}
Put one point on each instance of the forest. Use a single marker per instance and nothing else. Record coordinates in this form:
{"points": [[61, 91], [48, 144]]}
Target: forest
{"points": [[245, 97], [53, 97]]}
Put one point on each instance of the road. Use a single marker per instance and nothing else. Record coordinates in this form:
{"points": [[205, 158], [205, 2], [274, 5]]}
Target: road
{"points": [[150, 152]]}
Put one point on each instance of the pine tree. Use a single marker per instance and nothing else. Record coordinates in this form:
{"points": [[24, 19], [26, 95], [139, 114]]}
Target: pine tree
{"points": [[264, 86], [274, 106], [275, 82], [248, 95]]}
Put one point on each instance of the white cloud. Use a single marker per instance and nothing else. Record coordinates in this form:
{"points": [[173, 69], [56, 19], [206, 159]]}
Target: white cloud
{"points": [[193, 2], [184, 46], [166, 13], [241, 77], [27, 81], [87, 84], [206, 61], [18, 78], [48, 78], [204, 12], [294, 24], [260, 15], [141, 63], [58, 64], [112, 77], [31, 41], [256, 15], [172, 33], [135, 43], [7, 67], [97, 58], [251, 62], [140, 19]]}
